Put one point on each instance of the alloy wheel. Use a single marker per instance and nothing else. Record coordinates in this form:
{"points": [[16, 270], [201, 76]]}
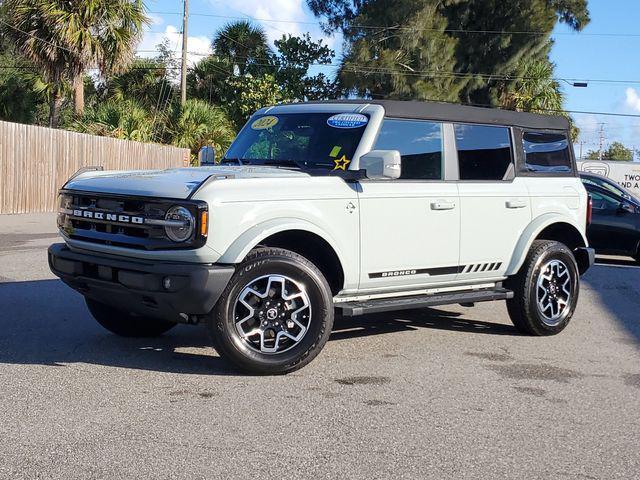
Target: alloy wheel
{"points": [[554, 291], [272, 314]]}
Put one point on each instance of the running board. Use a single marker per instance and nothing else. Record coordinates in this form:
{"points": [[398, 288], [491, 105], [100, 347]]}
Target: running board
{"points": [[353, 309]]}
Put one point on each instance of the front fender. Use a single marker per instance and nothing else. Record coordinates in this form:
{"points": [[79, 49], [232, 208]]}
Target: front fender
{"points": [[248, 240], [531, 232]]}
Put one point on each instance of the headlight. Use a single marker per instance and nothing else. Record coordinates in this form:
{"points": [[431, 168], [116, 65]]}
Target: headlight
{"points": [[184, 224]]}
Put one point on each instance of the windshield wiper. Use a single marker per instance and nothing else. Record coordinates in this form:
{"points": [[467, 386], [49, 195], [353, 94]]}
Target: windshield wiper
{"points": [[226, 161], [285, 164]]}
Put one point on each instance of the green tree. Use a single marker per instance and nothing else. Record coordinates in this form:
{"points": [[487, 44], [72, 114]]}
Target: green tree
{"points": [[247, 94], [294, 57], [146, 82], [244, 74], [616, 152], [123, 119], [197, 124], [451, 49], [400, 63], [66, 38], [536, 91], [244, 46], [207, 79], [20, 97]]}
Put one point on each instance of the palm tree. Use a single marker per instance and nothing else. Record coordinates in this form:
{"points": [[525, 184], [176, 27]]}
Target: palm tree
{"points": [[535, 90], [244, 45], [125, 120], [66, 38], [146, 82], [197, 124]]}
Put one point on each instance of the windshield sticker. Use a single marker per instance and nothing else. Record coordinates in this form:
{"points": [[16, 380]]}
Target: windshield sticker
{"points": [[341, 163], [336, 151], [347, 120], [264, 122]]}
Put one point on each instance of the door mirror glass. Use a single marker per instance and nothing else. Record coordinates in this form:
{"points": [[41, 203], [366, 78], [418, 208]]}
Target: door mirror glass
{"points": [[382, 164]]}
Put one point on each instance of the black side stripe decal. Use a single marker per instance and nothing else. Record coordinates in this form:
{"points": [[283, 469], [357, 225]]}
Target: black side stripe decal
{"points": [[434, 272], [420, 271]]}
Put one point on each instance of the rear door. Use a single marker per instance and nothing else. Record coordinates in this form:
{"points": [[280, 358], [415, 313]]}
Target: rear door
{"points": [[410, 227], [494, 204]]}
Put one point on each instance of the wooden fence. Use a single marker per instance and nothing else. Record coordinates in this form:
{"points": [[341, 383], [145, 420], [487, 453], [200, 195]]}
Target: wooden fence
{"points": [[36, 161]]}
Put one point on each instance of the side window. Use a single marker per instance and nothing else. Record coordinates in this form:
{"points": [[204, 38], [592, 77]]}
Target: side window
{"points": [[419, 144], [484, 152], [546, 152], [602, 201]]}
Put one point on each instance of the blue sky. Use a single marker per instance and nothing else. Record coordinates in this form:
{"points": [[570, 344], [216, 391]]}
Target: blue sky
{"points": [[590, 55]]}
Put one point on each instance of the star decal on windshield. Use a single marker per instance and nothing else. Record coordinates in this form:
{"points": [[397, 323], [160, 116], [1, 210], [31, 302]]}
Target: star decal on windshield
{"points": [[341, 163]]}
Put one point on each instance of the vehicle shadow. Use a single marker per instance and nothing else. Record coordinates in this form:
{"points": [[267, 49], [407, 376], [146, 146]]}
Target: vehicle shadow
{"points": [[46, 323], [381, 323], [619, 294]]}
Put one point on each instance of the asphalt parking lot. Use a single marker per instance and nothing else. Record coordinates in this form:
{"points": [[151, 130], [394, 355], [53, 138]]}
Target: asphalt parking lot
{"points": [[445, 393]]}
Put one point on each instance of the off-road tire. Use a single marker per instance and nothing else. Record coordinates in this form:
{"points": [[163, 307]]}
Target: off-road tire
{"points": [[267, 262], [127, 324], [523, 308]]}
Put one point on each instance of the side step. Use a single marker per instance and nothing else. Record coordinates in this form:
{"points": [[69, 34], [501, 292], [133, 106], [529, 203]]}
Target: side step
{"points": [[353, 309]]}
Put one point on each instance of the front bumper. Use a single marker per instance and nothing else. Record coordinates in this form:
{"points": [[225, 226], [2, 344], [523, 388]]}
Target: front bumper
{"points": [[138, 286], [585, 258]]}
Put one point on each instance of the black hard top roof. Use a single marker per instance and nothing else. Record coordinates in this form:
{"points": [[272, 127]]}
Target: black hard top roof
{"points": [[461, 113]]}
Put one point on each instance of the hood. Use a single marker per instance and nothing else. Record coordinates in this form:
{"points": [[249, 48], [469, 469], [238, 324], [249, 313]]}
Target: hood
{"points": [[177, 183]]}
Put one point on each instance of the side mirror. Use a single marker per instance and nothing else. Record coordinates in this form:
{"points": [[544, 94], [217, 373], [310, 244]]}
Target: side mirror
{"points": [[207, 156], [382, 164], [626, 208]]}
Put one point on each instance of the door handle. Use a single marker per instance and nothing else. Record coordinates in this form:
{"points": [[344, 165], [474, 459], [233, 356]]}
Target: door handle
{"points": [[443, 205], [516, 204]]}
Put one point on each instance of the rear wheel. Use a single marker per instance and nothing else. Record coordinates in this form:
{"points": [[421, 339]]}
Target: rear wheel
{"points": [[545, 289], [127, 324], [275, 315]]}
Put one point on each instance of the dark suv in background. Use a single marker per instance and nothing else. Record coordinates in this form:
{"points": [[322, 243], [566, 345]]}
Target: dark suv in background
{"points": [[615, 224]]}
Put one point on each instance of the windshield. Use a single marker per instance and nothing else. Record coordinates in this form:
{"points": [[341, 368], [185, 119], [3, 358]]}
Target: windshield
{"points": [[304, 140], [611, 186]]}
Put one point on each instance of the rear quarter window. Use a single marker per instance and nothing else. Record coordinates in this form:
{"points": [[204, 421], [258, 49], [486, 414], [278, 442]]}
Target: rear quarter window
{"points": [[546, 152]]}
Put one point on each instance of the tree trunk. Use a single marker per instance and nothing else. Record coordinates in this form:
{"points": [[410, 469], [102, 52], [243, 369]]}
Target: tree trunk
{"points": [[78, 96], [55, 106]]}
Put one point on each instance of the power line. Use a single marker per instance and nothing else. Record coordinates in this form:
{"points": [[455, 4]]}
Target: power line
{"points": [[578, 112], [35, 37], [374, 69], [400, 28]]}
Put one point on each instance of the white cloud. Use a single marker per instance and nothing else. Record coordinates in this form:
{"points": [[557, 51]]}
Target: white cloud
{"points": [[155, 19], [633, 99], [198, 46], [286, 12]]}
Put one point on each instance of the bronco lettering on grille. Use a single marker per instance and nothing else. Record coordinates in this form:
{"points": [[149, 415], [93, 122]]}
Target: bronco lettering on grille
{"points": [[109, 217]]}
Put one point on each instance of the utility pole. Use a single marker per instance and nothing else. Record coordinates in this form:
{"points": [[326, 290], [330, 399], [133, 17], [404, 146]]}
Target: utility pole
{"points": [[185, 34], [601, 141], [581, 143]]}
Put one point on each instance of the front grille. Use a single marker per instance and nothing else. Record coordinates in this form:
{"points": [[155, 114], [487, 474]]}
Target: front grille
{"points": [[121, 221]]}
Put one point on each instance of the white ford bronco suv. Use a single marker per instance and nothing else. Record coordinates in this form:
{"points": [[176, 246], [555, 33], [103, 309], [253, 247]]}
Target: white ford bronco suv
{"points": [[349, 206]]}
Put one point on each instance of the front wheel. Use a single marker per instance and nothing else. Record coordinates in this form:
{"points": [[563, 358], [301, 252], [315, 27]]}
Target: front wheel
{"points": [[275, 315], [545, 289]]}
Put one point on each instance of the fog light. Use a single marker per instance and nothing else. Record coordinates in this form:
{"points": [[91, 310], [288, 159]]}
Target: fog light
{"points": [[166, 283]]}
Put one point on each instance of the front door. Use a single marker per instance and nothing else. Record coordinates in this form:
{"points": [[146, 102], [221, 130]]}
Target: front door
{"points": [[612, 229], [410, 227]]}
